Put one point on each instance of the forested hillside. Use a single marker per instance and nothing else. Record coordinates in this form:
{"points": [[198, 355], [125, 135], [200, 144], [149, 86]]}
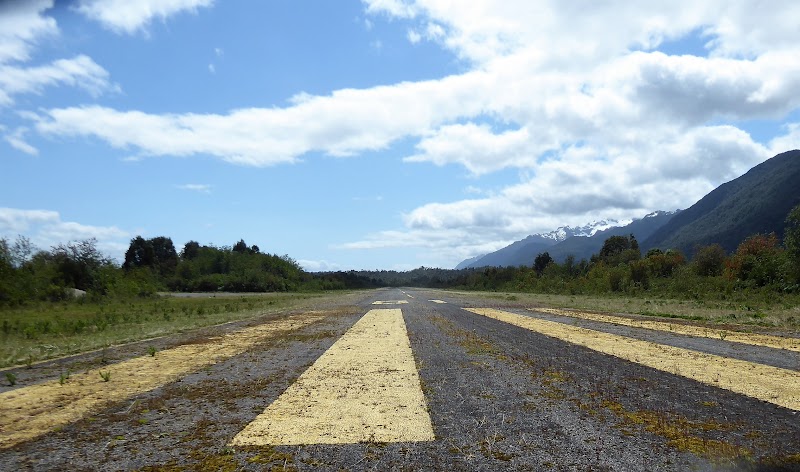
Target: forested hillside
{"points": [[756, 202]]}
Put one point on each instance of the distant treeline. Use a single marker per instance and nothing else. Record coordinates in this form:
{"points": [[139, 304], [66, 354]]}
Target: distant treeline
{"points": [[151, 265], [761, 263]]}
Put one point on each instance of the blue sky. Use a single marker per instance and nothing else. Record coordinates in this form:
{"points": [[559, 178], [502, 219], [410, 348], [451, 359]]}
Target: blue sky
{"points": [[379, 134]]}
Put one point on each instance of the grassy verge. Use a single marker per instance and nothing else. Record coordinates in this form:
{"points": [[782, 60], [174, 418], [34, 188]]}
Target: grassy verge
{"points": [[40, 331], [785, 314]]}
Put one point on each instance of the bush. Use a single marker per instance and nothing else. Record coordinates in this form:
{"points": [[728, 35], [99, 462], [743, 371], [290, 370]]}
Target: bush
{"points": [[758, 260], [639, 271], [709, 261]]}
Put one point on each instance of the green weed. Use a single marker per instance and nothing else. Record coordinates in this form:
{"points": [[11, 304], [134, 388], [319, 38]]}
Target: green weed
{"points": [[63, 377]]}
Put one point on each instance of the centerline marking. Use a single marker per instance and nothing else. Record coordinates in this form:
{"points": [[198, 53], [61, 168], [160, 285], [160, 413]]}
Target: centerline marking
{"points": [[365, 387], [771, 384], [437, 301], [390, 302]]}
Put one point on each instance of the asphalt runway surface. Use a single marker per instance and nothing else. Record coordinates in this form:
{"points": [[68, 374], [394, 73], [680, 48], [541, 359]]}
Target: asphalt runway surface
{"points": [[412, 380]]}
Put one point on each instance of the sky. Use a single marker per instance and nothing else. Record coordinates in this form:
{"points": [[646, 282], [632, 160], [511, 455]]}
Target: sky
{"points": [[380, 134]]}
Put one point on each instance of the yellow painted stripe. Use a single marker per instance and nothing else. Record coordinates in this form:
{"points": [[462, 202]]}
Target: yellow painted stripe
{"points": [[28, 412], [777, 342], [363, 388], [771, 384]]}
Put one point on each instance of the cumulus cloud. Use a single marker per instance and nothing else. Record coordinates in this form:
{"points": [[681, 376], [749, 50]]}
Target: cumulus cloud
{"points": [[22, 25], [268, 136], [130, 16], [46, 228]]}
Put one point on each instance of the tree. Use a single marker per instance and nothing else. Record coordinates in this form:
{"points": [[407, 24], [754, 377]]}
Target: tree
{"points": [[140, 253], [190, 250], [664, 264], [614, 246], [791, 241], [618, 249], [157, 254], [78, 263], [758, 259], [709, 261], [240, 247], [541, 262], [634, 243], [165, 257], [22, 251]]}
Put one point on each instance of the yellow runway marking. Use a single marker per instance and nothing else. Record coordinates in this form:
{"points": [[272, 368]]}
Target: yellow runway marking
{"points": [[28, 412], [771, 384], [364, 388], [777, 342], [437, 301], [390, 302]]}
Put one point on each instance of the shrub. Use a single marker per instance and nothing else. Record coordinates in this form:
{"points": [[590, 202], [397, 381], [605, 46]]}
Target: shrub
{"points": [[709, 261]]}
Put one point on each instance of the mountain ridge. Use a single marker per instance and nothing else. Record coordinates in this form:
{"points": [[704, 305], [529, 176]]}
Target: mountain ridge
{"points": [[755, 202], [582, 240]]}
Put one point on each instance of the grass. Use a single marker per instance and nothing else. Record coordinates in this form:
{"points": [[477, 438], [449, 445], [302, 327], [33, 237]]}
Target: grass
{"points": [[783, 313], [44, 331], [681, 433]]}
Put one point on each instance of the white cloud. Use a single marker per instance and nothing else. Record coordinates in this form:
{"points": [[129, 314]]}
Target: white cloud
{"points": [[212, 69], [477, 148], [22, 25], [319, 265], [268, 136], [397, 8], [788, 141], [130, 16], [45, 228], [200, 188], [16, 139], [80, 71]]}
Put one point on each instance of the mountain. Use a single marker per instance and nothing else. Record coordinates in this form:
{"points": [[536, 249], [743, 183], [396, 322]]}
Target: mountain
{"points": [[467, 262], [756, 202], [581, 242], [583, 247]]}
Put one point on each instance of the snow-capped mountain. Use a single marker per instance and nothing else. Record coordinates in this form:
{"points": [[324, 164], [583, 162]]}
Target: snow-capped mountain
{"points": [[579, 241], [565, 232]]}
